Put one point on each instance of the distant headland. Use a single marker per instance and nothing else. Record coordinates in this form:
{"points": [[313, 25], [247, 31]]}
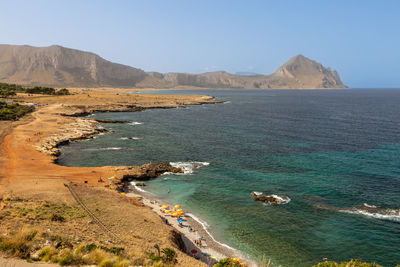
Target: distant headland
{"points": [[58, 66]]}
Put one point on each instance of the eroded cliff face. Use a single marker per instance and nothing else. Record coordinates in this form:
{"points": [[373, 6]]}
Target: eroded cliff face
{"points": [[63, 67], [60, 66]]}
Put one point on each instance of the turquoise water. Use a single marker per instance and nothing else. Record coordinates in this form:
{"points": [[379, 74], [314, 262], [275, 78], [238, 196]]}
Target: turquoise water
{"points": [[328, 151]]}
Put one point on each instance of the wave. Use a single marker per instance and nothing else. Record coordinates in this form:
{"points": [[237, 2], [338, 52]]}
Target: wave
{"points": [[107, 148], [271, 198], [137, 187], [111, 148], [281, 199], [135, 123], [131, 138], [190, 166], [375, 212], [205, 227]]}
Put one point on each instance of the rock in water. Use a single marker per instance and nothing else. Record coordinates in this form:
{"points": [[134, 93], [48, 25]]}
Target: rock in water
{"points": [[271, 199]]}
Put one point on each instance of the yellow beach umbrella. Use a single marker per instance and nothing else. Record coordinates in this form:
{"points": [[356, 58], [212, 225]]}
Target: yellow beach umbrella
{"points": [[177, 206], [165, 206]]}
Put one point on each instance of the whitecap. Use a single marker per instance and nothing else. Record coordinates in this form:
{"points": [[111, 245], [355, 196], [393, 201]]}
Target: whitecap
{"points": [[111, 148], [137, 187], [135, 123], [278, 199], [281, 199], [375, 212], [369, 206], [190, 166], [131, 138]]}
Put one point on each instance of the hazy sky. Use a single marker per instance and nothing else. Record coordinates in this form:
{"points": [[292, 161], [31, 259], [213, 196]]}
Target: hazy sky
{"points": [[358, 38]]}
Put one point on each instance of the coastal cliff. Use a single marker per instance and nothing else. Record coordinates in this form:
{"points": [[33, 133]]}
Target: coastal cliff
{"points": [[58, 66]]}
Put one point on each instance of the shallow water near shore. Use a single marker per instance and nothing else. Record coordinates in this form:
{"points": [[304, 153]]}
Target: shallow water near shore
{"points": [[334, 153]]}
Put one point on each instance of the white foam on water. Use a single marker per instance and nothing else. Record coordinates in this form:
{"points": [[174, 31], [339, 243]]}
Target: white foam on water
{"points": [[135, 123], [379, 213], [131, 138], [369, 206], [190, 166], [137, 187], [205, 227], [281, 199], [111, 148]]}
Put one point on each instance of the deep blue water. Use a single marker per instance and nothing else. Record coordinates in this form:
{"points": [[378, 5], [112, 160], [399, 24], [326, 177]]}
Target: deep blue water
{"points": [[334, 148]]}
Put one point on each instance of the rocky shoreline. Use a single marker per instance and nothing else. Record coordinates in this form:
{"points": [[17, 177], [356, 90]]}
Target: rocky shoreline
{"points": [[83, 128], [86, 128]]}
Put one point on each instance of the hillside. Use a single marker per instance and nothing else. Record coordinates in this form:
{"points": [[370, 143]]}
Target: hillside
{"points": [[63, 67], [60, 66]]}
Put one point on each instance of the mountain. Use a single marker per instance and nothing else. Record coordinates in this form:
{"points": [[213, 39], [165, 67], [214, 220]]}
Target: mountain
{"points": [[64, 67], [59, 66]]}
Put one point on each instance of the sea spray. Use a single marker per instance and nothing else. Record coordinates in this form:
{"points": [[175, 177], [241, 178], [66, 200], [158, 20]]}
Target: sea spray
{"points": [[375, 212], [190, 166], [131, 138], [135, 123], [138, 187]]}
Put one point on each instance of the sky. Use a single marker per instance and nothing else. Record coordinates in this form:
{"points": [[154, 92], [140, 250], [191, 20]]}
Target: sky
{"points": [[358, 38]]}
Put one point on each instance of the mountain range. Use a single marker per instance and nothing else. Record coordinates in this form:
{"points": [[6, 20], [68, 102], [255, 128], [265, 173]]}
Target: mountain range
{"points": [[58, 66]]}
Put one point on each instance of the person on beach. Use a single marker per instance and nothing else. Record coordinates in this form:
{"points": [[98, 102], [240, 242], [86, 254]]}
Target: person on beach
{"points": [[169, 190]]}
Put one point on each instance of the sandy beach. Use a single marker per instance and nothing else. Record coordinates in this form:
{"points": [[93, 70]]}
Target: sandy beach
{"points": [[210, 251]]}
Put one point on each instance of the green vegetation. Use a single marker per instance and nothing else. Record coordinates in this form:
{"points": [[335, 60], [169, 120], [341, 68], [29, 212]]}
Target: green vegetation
{"points": [[7, 90], [229, 262], [20, 243], [25, 242], [17, 208], [167, 259], [13, 111]]}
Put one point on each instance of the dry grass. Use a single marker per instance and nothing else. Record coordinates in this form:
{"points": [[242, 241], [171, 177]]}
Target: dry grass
{"points": [[19, 244]]}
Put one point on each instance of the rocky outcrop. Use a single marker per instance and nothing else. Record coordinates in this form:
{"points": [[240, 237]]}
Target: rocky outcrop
{"points": [[271, 199], [63, 67], [149, 171], [145, 172], [82, 129]]}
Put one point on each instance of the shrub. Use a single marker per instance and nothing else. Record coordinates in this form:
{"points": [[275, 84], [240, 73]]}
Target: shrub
{"points": [[47, 253], [65, 257], [19, 244], [228, 262], [106, 263], [169, 254], [122, 263], [96, 256], [153, 257]]}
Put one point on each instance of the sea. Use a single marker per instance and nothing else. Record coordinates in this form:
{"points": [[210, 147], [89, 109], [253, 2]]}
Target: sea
{"points": [[333, 155]]}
